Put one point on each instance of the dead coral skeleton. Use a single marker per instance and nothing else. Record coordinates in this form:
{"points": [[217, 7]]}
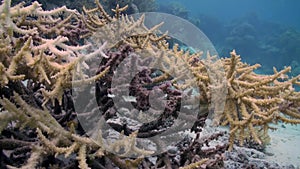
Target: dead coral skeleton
{"points": [[39, 46]]}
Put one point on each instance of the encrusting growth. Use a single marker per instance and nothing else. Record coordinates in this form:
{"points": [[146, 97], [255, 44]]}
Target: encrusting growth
{"points": [[44, 49]]}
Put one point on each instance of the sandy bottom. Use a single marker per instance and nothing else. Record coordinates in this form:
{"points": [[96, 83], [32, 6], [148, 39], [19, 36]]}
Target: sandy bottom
{"points": [[285, 145]]}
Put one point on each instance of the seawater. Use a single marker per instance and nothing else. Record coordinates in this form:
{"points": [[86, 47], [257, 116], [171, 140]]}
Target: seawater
{"points": [[261, 31]]}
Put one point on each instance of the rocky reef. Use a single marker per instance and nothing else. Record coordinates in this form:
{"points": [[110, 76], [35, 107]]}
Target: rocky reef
{"points": [[45, 54]]}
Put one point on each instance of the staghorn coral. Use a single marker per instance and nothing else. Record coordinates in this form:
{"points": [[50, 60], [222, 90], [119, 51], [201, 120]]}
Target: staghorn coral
{"points": [[111, 30], [134, 6], [255, 100], [43, 48], [39, 43]]}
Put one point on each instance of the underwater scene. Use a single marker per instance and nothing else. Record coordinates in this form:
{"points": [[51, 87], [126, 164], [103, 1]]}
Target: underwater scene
{"points": [[149, 84], [265, 32]]}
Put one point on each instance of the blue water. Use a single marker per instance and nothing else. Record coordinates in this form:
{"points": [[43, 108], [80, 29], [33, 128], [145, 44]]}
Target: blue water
{"points": [[261, 31], [280, 11]]}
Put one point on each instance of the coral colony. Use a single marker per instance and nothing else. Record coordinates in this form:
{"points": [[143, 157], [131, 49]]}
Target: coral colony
{"points": [[40, 51]]}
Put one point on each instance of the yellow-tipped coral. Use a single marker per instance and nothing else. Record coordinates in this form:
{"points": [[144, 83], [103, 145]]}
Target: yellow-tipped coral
{"points": [[255, 100], [43, 49]]}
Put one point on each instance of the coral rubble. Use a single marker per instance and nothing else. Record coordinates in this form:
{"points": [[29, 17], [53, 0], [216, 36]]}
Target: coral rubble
{"points": [[41, 50]]}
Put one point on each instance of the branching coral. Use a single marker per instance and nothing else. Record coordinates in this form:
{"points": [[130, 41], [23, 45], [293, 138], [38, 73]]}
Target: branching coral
{"points": [[38, 48], [256, 100], [120, 29], [40, 45], [45, 50], [134, 6], [69, 142]]}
